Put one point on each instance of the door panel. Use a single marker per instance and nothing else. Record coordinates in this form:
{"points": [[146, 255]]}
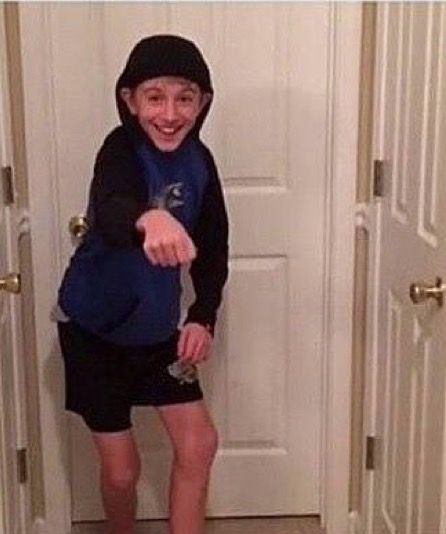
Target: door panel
{"points": [[411, 337]]}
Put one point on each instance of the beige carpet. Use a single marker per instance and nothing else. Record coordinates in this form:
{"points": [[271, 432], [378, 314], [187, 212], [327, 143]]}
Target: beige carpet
{"points": [[278, 525]]}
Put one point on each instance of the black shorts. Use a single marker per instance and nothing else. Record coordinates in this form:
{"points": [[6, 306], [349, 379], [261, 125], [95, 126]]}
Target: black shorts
{"points": [[103, 380]]}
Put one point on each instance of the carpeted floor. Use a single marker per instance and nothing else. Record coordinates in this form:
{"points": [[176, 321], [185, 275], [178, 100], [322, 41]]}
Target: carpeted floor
{"points": [[277, 525]]}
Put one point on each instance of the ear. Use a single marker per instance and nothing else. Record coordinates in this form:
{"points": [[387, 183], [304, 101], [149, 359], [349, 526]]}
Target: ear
{"points": [[127, 95], [205, 99]]}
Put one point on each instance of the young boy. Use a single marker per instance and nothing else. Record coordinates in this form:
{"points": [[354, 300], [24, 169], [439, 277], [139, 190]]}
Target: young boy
{"points": [[155, 204]]}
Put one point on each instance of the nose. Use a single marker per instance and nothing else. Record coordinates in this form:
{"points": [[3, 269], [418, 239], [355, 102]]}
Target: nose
{"points": [[170, 110]]}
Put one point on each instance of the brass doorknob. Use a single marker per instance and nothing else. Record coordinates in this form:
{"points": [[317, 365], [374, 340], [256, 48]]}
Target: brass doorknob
{"points": [[420, 292], [11, 283], [78, 226]]}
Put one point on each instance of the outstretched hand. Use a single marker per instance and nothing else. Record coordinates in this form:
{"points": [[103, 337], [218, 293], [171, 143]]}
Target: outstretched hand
{"points": [[194, 343], [166, 241]]}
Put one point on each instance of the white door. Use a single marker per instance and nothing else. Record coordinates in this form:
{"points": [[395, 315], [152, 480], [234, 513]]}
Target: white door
{"points": [[268, 129], [14, 490], [409, 489]]}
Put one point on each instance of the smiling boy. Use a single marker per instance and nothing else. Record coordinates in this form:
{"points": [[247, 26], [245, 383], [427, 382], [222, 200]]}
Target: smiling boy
{"points": [[155, 204], [167, 108]]}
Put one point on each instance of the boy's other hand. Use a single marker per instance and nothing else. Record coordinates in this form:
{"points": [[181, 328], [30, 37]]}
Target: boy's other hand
{"points": [[166, 241], [194, 343]]}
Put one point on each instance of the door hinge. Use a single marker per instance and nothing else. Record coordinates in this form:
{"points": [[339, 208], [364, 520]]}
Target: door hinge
{"points": [[7, 186], [22, 466], [370, 453], [378, 178]]}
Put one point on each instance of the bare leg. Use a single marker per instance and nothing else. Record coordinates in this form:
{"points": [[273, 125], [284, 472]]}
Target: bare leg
{"points": [[194, 441], [120, 468]]}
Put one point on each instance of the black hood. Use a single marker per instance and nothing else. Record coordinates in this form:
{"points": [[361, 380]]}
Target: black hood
{"points": [[164, 55]]}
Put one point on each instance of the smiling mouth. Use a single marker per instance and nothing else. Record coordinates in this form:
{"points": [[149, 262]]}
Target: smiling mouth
{"points": [[168, 131]]}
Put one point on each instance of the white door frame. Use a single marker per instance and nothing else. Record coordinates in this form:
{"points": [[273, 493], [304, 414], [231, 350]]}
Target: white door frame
{"points": [[16, 490], [342, 111], [373, 222]]}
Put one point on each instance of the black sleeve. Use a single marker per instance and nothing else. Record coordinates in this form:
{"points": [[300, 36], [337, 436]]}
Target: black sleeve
{"points": [[117, 196], [209, 270]]}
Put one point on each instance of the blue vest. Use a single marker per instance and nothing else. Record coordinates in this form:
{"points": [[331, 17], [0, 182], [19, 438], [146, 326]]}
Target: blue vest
{"points": [[117, 293]]}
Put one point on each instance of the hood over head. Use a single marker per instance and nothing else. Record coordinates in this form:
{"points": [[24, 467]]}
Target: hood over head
{"points": [[164, 55]]}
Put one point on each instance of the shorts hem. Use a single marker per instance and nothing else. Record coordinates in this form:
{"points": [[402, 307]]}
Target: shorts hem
{"points": [[99, 428], [176, 401]]}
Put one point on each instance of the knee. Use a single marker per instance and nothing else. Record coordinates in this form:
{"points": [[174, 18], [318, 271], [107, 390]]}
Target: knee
{"points": [[120, 478], [196, 455]]}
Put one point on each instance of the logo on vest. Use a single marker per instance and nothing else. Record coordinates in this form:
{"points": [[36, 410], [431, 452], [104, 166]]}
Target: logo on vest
{"points": [[170, 197]]}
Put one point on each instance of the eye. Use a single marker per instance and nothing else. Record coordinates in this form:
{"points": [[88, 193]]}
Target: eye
{"points": [[153, 98], [186, 98]]}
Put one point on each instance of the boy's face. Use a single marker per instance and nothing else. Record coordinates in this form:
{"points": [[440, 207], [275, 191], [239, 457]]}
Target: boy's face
{"points": [[167, 108]]}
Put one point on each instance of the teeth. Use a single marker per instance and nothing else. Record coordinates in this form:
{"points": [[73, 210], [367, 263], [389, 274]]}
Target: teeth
{"points": [[167, 131]]}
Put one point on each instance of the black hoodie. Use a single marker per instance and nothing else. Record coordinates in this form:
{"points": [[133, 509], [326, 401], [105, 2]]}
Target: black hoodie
{"points": [[97, 287]]}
